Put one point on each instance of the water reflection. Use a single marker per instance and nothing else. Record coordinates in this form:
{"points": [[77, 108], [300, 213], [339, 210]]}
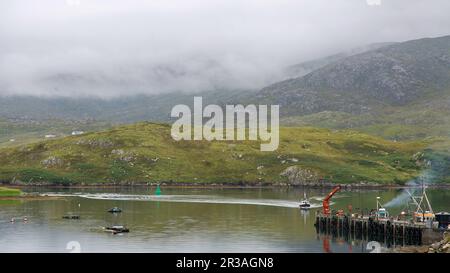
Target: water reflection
{"points": [[183, 220]]}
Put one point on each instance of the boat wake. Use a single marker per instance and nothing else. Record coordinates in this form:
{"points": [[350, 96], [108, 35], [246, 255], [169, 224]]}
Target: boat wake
{"points": [[209, 199]]}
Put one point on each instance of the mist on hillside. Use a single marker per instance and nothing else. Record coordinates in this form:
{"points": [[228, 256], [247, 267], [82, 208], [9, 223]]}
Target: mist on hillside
{"points": [[83, 48]]}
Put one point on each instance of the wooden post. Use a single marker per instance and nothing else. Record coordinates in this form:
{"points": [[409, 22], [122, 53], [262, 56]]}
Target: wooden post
{"points": [[403, 230], [393, 233]]}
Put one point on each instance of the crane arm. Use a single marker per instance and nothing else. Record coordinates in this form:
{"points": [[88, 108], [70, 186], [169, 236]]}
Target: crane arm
{"points": [[325, 203], [335, 190]]}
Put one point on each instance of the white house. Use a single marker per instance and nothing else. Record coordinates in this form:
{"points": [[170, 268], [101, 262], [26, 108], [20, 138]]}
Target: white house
{"points": [[76, 133]]}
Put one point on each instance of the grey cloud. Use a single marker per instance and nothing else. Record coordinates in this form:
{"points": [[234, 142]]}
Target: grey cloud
{"points": [[111, 47]]}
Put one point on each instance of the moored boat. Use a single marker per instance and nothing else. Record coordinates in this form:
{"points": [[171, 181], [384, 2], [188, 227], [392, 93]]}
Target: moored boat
{"points": [[71, 217], [115, 210], [116, 229]]}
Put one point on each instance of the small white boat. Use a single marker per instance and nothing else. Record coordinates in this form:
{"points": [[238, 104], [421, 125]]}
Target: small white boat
{"points": [[304, 204]]}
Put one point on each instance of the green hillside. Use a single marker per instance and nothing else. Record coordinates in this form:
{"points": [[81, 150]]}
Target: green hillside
{"points": [[14, 132], [145, 153], [417, 120]]}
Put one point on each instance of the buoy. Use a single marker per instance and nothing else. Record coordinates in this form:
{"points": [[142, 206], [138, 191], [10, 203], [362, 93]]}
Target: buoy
{"points": [[158, 190]]}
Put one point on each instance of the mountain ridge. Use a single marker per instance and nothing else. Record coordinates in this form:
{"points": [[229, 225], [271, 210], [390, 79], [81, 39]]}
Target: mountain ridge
{"points": [[387, 90]]}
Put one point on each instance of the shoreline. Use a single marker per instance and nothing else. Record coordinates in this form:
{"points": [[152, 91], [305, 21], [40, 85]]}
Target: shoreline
{"points": [[224, 186], [31, 197], [441, 246]]}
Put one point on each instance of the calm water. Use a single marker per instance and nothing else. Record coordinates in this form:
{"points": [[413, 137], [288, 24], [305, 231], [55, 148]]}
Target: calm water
{"points": [[184, 220]]}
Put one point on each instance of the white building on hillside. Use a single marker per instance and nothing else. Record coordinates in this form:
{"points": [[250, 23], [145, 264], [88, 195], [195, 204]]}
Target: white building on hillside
{"points": [[76, 133]]}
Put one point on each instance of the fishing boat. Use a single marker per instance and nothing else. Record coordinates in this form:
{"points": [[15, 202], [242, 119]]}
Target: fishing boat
{"points": [[423, 212], [381, 212], [304, 204]]}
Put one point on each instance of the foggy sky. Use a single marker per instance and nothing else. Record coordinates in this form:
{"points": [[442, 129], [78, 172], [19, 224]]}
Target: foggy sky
{"points": [[111, 47]]}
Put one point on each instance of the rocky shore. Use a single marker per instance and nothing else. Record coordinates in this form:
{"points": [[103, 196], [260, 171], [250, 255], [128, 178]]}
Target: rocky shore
{"points": [[443, 246]]}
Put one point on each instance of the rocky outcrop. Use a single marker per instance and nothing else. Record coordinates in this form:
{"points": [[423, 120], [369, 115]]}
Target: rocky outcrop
{"points": [[52, 161], [96, 143], [297, 175], [442, 246], [124, 156]]}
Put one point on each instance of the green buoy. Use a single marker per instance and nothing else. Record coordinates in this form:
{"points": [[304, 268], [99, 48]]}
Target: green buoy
{"points": [[158, 190]]}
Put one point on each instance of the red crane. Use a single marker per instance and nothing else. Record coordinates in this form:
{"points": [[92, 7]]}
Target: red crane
{"points": [[325, 202]]}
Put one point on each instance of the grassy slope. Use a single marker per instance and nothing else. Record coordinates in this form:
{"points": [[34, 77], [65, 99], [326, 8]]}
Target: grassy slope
{"points": [[145, 152], [427, 118], [31, 131], [8, 192]]}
